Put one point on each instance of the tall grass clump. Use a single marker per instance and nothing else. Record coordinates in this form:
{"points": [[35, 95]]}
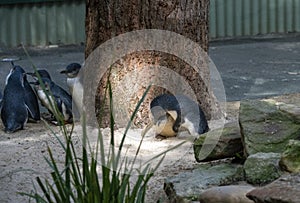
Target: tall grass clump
{"points": [[83, 178]]}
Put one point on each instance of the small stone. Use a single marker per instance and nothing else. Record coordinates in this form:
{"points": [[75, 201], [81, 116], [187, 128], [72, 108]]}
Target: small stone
{"points": [[227, 194], [290, 158], [262, 168]]}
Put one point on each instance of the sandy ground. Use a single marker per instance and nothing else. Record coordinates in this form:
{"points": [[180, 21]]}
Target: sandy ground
{"points": [[23, 157]]}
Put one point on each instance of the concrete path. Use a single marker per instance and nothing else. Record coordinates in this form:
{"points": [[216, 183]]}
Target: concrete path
{"points": [[258, 68]]}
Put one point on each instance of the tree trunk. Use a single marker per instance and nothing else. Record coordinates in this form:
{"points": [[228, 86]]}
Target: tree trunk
{"points": [[110, 18]]}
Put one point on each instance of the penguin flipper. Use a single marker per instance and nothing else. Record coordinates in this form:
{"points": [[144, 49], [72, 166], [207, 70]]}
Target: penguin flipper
{"points": [[29, 111]]}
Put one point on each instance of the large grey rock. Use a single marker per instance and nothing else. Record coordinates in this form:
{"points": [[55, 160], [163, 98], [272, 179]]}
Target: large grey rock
{"points": [[284, 190], [262, 168], [268, 125], [290, 158], [219, 143], [189, 185], [227, 194]]}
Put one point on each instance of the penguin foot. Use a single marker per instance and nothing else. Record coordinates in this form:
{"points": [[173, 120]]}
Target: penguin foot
{"points": [[160, 137], [31, 120], [9, 131], [58, 123]]}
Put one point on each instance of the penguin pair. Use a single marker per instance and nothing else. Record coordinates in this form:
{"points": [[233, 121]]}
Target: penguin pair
{"points": [[19, 101], [174, 113], [53, 97]]}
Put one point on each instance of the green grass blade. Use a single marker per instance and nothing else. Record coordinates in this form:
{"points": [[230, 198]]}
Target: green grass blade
{"points": [[59, 184], [123, 187], [68, 161], [43, 188]]}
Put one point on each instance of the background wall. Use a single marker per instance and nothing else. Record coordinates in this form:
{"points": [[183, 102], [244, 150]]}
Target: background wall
{"points": [[42, 23], [37, 23], [235, 18]]}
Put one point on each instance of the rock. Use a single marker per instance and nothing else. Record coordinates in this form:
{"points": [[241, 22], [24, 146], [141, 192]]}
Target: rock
{"points": [[262, 168], [267, 125], [291, 109], [290, 158], [188, 185], [219, 143], [284, 190], [227, 194]]}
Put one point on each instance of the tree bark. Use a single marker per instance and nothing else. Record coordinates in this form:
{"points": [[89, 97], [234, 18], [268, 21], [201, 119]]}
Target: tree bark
{"points": [[106, 19]]}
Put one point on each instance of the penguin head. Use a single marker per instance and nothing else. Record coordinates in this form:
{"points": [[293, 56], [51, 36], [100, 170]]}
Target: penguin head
{"points": [[164, 121], [164, 126], [46, 82], [42, 73], [72, 70], [17, 73]]}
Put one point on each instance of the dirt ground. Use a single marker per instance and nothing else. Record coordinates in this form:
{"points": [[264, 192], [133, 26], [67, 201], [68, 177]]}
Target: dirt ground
{"points": [[23, 156]]}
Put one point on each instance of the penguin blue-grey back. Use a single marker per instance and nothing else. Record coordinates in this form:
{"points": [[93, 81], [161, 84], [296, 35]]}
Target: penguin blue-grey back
{"points": [[14, 111]]}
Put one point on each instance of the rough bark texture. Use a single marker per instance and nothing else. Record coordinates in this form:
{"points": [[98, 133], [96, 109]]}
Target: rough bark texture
{"points": [[107, 19]]}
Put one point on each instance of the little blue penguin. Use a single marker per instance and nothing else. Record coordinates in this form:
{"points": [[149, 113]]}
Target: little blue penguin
{"points": [[172, 113], [74, 84], [30, 99], [14, 111], [42, 72], [30, 96], [56, 96]]}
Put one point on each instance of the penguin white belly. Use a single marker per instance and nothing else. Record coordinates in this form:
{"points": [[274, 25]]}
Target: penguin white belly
{"points": [[48, 103], [65, 112], [189, 125], [76, 90], [71, 82]]}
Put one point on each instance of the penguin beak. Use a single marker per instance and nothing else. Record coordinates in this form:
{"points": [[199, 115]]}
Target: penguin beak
{"points": [[63, 72], [31, 74], [34, 83]]}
